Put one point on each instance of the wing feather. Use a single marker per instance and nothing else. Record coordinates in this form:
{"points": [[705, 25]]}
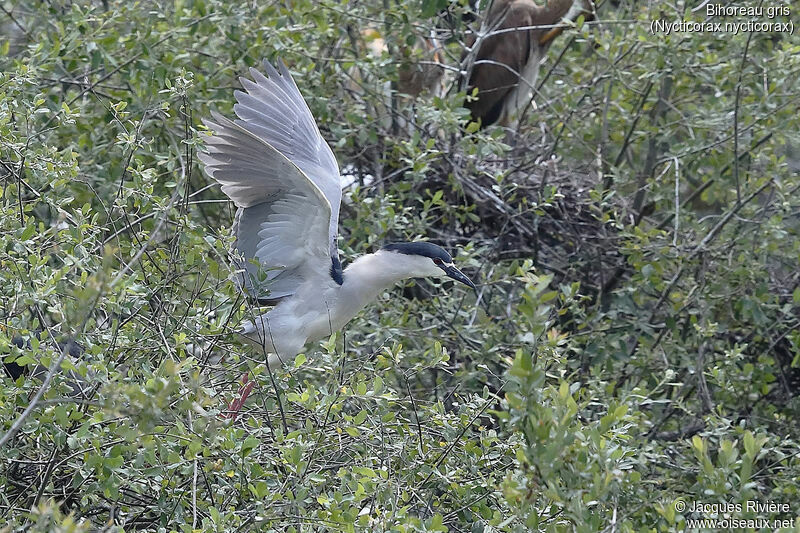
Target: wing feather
{"points": [[274, 110], [284, 219]]}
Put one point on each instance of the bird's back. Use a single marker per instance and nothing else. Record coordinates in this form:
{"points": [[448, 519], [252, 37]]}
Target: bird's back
{"points": [[513, 50]]}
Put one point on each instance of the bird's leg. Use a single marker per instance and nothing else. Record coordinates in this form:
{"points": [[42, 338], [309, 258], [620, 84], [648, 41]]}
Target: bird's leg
{"points": [[244, 391]]}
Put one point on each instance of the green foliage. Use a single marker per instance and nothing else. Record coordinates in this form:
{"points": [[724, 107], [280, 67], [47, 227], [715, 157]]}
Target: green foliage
{"points": [[635, 339]]}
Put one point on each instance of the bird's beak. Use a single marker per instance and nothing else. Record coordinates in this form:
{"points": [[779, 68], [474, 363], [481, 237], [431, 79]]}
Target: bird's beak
{"points": [[550, 35], [456, 274], [586, 8]]}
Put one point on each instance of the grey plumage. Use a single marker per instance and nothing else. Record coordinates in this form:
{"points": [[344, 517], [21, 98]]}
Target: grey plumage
{"points": [[276, 167]]}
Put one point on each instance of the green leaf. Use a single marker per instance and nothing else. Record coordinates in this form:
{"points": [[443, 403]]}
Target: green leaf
{"points": [[249, 444]]}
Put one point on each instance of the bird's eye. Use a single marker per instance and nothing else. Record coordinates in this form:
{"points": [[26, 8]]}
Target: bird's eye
{"points": [[438, 261]]}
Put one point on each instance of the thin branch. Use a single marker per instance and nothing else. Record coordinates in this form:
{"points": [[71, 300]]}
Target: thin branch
{"points": [[736, 115]]}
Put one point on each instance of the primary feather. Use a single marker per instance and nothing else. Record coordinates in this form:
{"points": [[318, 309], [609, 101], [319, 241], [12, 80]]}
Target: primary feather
{"points": [[281, 174]]}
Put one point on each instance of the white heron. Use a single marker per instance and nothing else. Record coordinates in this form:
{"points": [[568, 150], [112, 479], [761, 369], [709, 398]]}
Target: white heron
{"points": [[281, 174]]}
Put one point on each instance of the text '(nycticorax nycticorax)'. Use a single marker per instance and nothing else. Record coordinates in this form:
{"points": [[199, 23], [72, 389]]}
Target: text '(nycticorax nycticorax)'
{"points": [[281, 174]]}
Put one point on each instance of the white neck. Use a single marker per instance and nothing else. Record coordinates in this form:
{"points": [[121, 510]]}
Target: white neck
{"points": [[367, 276]]}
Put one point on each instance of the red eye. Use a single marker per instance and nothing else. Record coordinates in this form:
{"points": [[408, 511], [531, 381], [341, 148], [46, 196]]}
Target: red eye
{"points": [[438, 261]]}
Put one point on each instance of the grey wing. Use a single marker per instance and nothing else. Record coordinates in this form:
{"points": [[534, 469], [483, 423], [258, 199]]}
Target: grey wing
{"points": [[275, 111], [283, 219]]}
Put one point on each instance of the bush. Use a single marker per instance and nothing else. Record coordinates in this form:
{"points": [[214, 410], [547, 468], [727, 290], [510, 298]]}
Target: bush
{"points": [[634, 342]]}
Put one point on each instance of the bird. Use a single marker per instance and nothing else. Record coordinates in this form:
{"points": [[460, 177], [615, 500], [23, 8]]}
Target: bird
{"points": [[281, 174], [506, 62]]}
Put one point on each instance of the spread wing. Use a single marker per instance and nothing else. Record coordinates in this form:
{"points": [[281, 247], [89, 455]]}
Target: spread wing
{"points": [[276, 167]]}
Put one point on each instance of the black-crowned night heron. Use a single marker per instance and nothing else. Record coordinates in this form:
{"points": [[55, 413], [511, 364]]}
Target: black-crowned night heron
{"points": [[281, 174], [507, 60]]}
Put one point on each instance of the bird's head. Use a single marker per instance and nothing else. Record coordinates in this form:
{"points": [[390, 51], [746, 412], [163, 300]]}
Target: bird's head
{"points": [[424, 259]]}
